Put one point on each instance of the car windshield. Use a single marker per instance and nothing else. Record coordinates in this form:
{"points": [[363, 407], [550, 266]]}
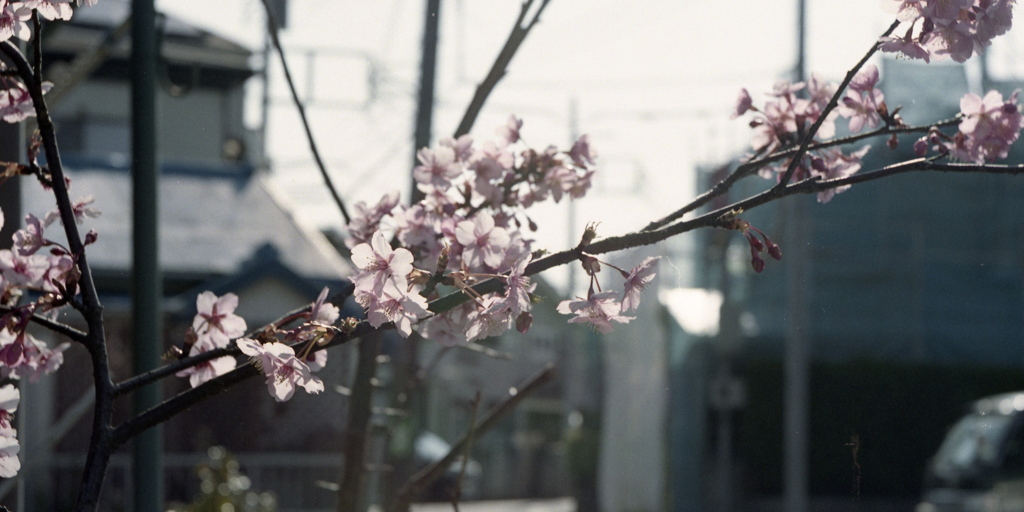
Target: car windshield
{"points": [[972, 444]]}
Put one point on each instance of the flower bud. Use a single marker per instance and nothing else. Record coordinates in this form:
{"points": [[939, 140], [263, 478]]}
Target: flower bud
{"points": [[589, 234], [523, 322], [348, 325], [590, 265], [893, 142]]}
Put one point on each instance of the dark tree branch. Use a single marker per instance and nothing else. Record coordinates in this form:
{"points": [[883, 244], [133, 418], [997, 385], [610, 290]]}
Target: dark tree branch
{"points": [[100, 447], [272, 30], [500, 66], [428, 475], [174, 405], [57, 327]]}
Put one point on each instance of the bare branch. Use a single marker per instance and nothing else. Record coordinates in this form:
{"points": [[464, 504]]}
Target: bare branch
{"points": [[500, 66], [428, 475], [272, 30]]}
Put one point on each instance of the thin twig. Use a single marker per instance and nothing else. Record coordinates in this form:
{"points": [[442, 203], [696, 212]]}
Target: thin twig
{"points": [[500, 66], [133, 383], [832, 103], [748, 168], [428, 475], [272, 29]]}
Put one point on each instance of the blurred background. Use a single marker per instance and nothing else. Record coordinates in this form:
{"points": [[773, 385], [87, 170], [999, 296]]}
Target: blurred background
{"points": [[824, 383]]}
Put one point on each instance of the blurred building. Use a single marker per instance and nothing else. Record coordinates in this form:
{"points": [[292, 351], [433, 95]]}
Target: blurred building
{"points": [[222, 228], [915, 306]]}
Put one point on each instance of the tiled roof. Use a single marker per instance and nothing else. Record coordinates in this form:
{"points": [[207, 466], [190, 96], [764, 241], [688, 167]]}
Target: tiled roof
{"points": [[212, 221]]}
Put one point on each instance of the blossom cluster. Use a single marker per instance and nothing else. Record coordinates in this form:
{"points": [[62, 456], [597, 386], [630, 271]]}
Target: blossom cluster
{"points": [[937, 29], [602, 308], [216, 325], [15, 17], [213, 327], [468, 227], [49, 280], [15, 21], [50, 277], [792, 109], [987, 129]]}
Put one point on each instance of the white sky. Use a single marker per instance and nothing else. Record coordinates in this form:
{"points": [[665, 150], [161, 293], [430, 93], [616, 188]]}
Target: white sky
{"points": [[653, 79]]}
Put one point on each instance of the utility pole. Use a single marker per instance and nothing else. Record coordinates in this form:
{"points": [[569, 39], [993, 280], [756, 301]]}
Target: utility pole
{"points": [[428, 71], [147, 290], [800, 273]]}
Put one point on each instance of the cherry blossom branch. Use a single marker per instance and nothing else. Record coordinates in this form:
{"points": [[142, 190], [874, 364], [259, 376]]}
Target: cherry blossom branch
{"points": [[500, 66], [832, 103], [100, 446], [272, 30], [428, 475], [133, 383], [178, 403], [748, 168]]}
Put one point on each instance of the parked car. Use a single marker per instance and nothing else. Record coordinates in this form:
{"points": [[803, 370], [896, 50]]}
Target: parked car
{"points": [[980, 465]]}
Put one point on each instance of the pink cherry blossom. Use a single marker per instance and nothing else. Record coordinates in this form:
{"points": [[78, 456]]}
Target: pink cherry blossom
{"points": [[448, 328], [438, 167], [322, 311], [9, 462], [283, 370], [988, 129], [462, 147], [509, 133], [743, 104], [206, 370], [9, 398], [392, 304], [600, 310], [216, 318], [365, 220], [23, 271], [862, 101], [517, 288], [487, 320], [582, 153], [639, 278], [39, 359], [380, 264], [939, 29], [52, 9], [15, 101], [482, 242], [14, 19], [30, 239]]}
